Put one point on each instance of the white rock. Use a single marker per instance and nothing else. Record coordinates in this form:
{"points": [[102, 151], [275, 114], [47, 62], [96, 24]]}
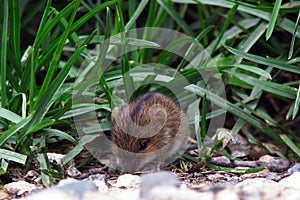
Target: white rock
{"points": [[19, 187], [292, 181], [56, 157], [258, 188], [128, 181]]}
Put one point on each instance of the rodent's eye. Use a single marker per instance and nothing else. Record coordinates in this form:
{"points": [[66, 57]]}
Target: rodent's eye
{"points": [[144, 144]]}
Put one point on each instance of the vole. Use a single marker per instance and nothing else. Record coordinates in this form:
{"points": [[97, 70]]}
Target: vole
{"points": [[148, 133]]}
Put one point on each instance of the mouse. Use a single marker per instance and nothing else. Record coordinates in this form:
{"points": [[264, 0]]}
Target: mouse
{"points": [[148, 133]]}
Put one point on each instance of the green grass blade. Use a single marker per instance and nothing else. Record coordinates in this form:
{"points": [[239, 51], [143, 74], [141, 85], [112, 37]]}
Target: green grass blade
{"points": [[44, 123], [273, 19], [274, 88], [236, 170], [10, 132], [136, 14], [297, 104], [44, 164], [225, 27], [254, 70], [6, 114], [86, 139], [203, 118], [252, 39], [294, 37], [53, 132], [12, 156], [3, 56], [265, 61], [15, 29], [128, 81], [291, 144]]}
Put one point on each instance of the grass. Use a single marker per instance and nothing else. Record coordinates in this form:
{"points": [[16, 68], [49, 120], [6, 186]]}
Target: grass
{"points": [[253, 49]]}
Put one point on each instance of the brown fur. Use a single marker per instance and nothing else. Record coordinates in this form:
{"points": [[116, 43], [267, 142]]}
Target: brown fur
{"points": [[148, 124]]}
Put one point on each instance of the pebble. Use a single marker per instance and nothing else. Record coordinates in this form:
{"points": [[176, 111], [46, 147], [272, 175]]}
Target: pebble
{"points": [[158, 179], [273, 176], [19, 187], [295, 168], [128, 181]]}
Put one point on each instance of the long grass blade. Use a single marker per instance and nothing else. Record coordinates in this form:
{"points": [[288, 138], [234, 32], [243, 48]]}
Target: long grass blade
{"points": [[3, 55], [265, 61], [294, 37], [273, 18], [225, 27]]}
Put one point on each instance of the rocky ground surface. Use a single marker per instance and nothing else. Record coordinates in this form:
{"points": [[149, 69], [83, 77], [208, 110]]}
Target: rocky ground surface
{"points": [[166, 185]]}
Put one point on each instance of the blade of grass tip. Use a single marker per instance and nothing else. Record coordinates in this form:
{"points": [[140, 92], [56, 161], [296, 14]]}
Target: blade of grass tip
{"points": [[273, 19], [7, 114], [174, 14], [53, 132], [13, 156], [225, 27], [294, 38], [3, 56], [297, 103], [291, 144], [136, 14]]}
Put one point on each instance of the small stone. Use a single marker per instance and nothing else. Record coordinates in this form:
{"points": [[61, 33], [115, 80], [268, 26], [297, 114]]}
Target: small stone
{"points": [[292, 181], [258, 188], [19, 187], [273, 176], [233, 180], [3, 195], [152, 180], [56, 157], [98, 177], [275, 164], [295, 168], [72, 171], [128, 181]]}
